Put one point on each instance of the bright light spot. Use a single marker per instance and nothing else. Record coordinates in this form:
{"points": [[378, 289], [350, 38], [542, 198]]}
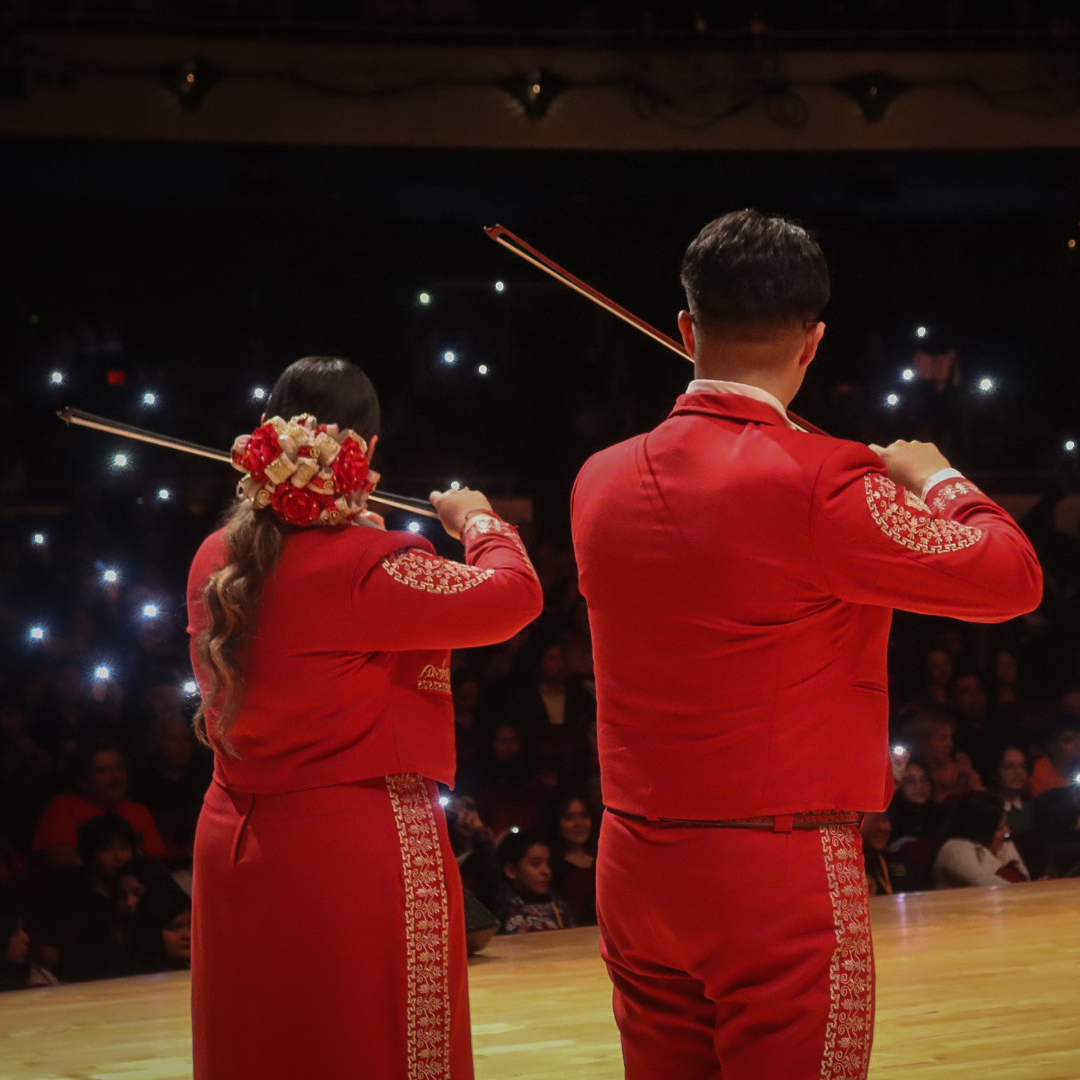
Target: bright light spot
{"points": [[110, 577], [482, 369], [164, 494], [102, 672], [449, 357], [149, 398], [413, 526], [259, 393], [38, 539], [191, 688], [898, 750], [907, 374], [1070, 445], [500, 286], [892, 400], [56, 378], [120, 461], [921, 331], [150, 611], [455, 485], [514, 829], [443, 800], [1077, 778], [986, 385], [37, 633], [1071, 243], [424, 298]]}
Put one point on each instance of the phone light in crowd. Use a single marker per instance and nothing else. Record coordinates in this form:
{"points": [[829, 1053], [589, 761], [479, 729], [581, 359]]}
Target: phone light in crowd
{"points": [[449, 357], [150, 611], [56, 378], [164, 494], [424, 298], [121, 460], [500, 286], [482, 369], [191, 687], [514, 829], [455, 485], [443, 800], [102, 672], [149, 398], [921, 331], [892, 400], [40, 539], [259, 393], [413, 526], [37, 633], [110, 576], [899, 750], [907, 374], [1070, 446], [987, 385]]}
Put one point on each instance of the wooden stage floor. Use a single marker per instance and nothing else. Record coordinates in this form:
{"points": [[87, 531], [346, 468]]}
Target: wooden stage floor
{"points": [[972, 984]]}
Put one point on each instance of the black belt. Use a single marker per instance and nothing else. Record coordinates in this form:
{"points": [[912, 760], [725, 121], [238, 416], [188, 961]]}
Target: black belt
{"points": [[782, 823]]}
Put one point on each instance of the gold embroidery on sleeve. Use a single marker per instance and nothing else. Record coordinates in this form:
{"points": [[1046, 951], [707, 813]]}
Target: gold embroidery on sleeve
{"points": [[909, 525], [952, 490], [428, 573]]}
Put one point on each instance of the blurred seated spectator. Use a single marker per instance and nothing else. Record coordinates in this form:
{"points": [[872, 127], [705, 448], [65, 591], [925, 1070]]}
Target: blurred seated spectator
{"points": [[1062, 762], [572, 833], [80, 920], [16, 970], [917, 820], [99, 782], [161, 931], [68, 713], [977, 850], [1008, 779], [173, 781], [474, 849], [503, 782], [528, 904], [26, 773], [887, 872], [137, 877], [1004, 674], [977, 727], [465, 691], [936, 679], [932, 733]]}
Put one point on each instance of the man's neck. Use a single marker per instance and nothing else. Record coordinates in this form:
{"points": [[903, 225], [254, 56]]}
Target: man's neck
{"points": [[771, 383]]}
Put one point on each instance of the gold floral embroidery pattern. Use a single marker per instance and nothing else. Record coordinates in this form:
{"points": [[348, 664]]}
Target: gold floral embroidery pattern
{"points": [[903, 523], [428, 573], [849, 1028], [427, 930], [953, 490], [487, 523]]}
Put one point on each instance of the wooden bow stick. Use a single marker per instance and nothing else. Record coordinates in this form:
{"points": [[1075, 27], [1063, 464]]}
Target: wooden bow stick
{"points": [[512, 242], [128, 431]]}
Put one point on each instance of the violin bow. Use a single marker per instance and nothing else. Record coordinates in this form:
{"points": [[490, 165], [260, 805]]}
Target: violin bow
{"points": [[129, 431], [512, 242]]}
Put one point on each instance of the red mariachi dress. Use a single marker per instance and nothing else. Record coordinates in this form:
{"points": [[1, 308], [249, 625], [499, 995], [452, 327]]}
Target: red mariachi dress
{"points": [[328, 931], [740, 576]]}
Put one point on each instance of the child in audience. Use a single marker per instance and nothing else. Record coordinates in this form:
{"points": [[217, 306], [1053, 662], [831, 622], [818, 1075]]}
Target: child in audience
{"points": [[528, 904]]}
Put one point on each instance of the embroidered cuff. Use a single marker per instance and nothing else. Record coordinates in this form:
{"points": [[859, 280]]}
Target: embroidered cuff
{"points": [[941, 474]]}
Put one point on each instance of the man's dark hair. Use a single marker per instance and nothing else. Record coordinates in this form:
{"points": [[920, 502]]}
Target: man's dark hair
{"points": [[100, 832], [976, 816], [747, 271], [82, 758]]}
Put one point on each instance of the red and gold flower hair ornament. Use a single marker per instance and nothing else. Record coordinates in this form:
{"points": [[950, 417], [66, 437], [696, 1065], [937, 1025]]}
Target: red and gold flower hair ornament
{"points": [[306, 472]]}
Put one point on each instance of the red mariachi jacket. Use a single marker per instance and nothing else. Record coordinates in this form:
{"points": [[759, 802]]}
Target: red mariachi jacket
{"points": [[348, 676], [740, 577]]}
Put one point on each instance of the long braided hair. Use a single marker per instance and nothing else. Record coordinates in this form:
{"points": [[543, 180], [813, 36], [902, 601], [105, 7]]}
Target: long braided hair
{"points": [[336, 392]]}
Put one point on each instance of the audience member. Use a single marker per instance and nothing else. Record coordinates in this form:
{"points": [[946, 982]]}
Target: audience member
{"points": [[528, 904], [572, 838], [100, 780], [503, 782], [933, 734], [887, 872], [16, 970], [978, 850], [1062, 762], [161, 931]]}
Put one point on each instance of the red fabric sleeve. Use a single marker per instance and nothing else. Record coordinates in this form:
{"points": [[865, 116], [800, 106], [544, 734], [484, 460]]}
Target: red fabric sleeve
{"points": [[57, 826], [142, 821], [412, 599], [962, 556]]}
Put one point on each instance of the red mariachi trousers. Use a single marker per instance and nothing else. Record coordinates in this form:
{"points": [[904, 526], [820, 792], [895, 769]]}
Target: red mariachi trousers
{"points": [[737, 953], [329, 936]]}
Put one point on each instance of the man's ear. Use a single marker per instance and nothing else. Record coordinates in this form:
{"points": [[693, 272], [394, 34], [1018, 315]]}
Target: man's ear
{"points": [[686, 331], [813, 340], [510, 870]]}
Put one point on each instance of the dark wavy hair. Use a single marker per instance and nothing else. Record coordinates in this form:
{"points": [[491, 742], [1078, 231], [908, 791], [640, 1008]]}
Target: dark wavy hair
{"points": [[747, 273], [334, 391]]}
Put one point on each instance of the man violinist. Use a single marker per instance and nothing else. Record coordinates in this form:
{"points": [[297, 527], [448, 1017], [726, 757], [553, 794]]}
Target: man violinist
{"points": [[740, 575]]}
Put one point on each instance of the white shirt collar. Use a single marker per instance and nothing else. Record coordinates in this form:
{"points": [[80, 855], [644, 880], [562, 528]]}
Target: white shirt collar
{"points": [[723, 386]]}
